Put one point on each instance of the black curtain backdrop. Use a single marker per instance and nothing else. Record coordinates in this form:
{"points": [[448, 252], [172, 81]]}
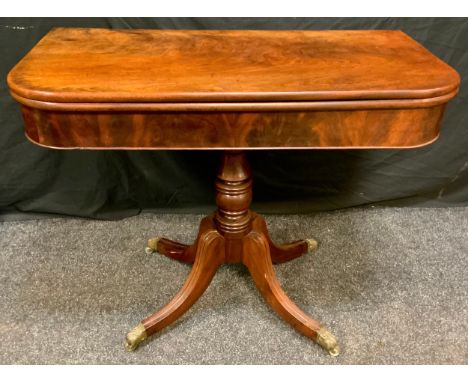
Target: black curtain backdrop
{"points": [[115, 184]]}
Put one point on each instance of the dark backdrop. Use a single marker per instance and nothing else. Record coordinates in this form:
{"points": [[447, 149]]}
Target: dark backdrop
{"points": [[112, 184]]}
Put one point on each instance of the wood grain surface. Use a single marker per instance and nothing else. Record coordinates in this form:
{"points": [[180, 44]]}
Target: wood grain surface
{"points": [[211, 130], [168, 89], [101, 65]]}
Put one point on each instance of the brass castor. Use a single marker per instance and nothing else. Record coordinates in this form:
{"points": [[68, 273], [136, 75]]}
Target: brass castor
{"points": [[328, 341], [152, 246], [311, 245], [136, 336]]}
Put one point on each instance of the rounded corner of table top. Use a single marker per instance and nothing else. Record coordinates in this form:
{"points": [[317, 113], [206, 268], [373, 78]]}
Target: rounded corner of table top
{"points": [[12, 83], [26, 94]]}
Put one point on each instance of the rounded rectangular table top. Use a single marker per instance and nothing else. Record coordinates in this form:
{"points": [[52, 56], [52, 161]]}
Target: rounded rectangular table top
{"points": [[100, 65]]}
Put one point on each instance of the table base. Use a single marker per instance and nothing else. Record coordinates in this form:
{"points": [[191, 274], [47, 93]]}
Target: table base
{"points": [[234, 234]]}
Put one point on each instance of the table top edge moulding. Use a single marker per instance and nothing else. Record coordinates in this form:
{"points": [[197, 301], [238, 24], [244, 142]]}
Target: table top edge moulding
{"points": [[231, 90]]}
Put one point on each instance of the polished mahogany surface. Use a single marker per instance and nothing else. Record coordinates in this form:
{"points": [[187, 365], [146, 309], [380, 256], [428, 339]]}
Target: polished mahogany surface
{"points": [[175, 131], [185, 89], [99, 65]]}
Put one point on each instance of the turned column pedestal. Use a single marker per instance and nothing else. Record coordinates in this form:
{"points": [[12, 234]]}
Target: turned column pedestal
{"points": [[234, 234]]}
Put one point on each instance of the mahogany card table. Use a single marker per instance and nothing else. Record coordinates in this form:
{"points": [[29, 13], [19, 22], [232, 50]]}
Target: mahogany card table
{"points": [[233, 91]]}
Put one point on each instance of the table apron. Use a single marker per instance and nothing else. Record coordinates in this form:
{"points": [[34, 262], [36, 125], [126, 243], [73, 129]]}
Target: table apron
{"points": [[374, 128]]}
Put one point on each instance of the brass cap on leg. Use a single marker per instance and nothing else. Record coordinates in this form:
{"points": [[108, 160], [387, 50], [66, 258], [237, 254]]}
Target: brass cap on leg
{"points": [[136, 336], [152, 245], [328, 341], [311, 245]]}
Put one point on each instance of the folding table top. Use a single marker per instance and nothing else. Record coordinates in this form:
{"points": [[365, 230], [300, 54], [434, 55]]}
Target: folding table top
{"points": [[101, 65]]}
